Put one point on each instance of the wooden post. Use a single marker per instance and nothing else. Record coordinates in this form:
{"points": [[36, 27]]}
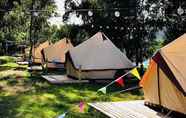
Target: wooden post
{"points": [[79, 72], [30, 30], [46, 64]]}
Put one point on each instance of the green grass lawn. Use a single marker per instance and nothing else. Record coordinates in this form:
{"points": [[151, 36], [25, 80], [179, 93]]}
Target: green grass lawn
{"points": [[26, 96]]}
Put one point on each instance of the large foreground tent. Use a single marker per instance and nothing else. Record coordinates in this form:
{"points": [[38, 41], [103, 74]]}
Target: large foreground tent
{"points": [[36, 52], [164, 82], [96, 58], [54, 55]]}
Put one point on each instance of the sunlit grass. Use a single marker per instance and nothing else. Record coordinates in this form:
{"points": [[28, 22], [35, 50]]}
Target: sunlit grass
{"points": [[12, 65], [26, 96], [6, 59], [14, 73]]}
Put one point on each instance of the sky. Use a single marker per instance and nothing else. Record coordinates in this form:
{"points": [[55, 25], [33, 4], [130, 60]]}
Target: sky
{"points": [[61, 10]]}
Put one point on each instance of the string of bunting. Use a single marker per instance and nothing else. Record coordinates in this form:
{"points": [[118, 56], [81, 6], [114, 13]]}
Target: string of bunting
{"points": [[120, 80]]}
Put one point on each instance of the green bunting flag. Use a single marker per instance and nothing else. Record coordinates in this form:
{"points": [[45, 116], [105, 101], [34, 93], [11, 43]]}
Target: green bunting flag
{"points": [[135, 73], [103, 90], [120, 80]]}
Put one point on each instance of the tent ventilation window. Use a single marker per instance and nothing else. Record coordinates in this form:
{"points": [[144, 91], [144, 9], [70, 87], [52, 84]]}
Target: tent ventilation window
{"points": [[104, 38], [67, 41]]}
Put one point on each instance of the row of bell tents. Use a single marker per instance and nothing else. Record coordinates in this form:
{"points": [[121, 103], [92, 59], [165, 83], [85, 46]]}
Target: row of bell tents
{"points": [[55, 54], [95, 58], [164, 82], [52, 55]]}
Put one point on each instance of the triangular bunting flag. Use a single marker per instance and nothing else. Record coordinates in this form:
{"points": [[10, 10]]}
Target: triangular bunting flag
{"points": [[120, 81], [135, 73], [81, 106], [103, 90], [146, 63], [62, 115]]}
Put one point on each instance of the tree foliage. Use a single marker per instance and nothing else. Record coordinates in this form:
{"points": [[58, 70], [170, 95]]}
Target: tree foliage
{"points": [[136, 28], [164, 15], [15, 20]]}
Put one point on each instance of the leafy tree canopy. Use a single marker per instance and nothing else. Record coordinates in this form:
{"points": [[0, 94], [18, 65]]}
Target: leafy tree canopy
{"points": [[15, 19], [135, 29]]}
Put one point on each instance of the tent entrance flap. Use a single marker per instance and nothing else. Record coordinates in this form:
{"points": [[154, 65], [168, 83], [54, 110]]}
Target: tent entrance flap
{"points": [[158, 77], [163, 65]]}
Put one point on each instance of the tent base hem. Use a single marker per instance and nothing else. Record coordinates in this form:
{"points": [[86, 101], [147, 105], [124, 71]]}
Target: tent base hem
{"points": [[71, 76], [56, 66], [164, 109]]}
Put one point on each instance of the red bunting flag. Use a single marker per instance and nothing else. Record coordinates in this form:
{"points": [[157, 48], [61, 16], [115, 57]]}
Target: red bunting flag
{"points": [[120, 81]]}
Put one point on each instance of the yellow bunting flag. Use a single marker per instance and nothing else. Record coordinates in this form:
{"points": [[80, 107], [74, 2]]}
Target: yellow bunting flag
{"points": [[103, 90], [135, 73]]}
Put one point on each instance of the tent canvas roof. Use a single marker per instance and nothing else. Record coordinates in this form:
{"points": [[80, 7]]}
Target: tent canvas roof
{"points": [[174, 56], [57, 51], [36, 51], [99, 53]]}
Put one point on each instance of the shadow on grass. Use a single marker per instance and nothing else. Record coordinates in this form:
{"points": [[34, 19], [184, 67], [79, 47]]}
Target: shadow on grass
{"points": [[43, 100], [3, 68], [34, 97], [20, 68], [7, 59], [91, 114], [8, 105], [34, 102]]}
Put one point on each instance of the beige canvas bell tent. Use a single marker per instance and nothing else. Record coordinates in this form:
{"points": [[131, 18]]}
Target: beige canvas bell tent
{"points": [[54, 55], [96, 58], [164, 82], [36, 52]]}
